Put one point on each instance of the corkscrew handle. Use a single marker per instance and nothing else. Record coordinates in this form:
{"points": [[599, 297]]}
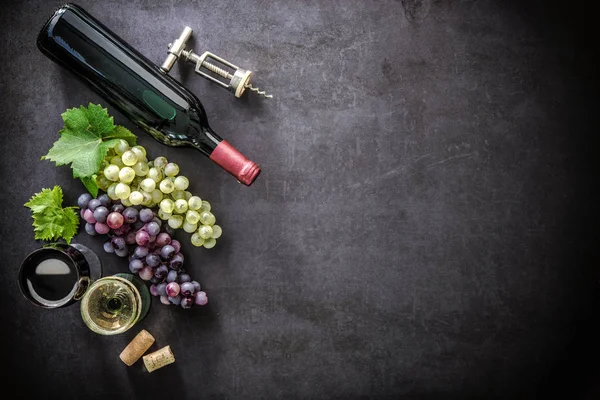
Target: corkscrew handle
{"points": [[238, 79]]}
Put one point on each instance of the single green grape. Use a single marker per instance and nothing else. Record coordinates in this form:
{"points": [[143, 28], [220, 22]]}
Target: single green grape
{"points": [[157, 196], [167, 206], [110, 191], [177, 195], [126, 174], [194, 203], [188, 195], [209, 243], [181, 182], [141, 168], [160, 162], [121, 147], [140, 152], [112, 172], [189, 228], [205, 231], [122, 190], [136, 198], [163, 215], [166, 186], [148, 185], [171, 169], [205, 206], [102, 182], [192, 217], [175, 221], [197, 240], [147, 199], [207, 218], [116, 160], [129, 158], [126, 202], [181, 206], [217, 231], [155, 174]]}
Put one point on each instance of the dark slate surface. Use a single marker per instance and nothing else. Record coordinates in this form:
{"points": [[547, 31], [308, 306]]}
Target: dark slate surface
{"points": [[424, 226]]}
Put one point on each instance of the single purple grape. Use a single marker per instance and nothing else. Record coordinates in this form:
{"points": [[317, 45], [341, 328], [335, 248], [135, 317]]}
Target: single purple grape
{"points": [[146, 215], [108, 247], [183, 277], [187, 302], [82, 212], [146, 273], [176, 245], [163, 239], [153, 260], [104, 200], [175, 300], [90, 229], [118, 208], [100, 214], [200, 298], [130, 214], [167, 252], [115, 220], [197, 287], [186, 288], [176, 262], [173, 289], [93, 204], [83, 200], [118, 242], [153, 228], [142, 238], [165, 300], [135, 265], [122, 252], [161, 272], [140, 252], [172, 276], [161, 288], [88, 216], [101, 228], [157, 220], [153, 290]]}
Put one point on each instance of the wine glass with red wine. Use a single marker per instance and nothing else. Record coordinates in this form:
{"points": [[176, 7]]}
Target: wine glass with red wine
{"points": [[58, 274]]}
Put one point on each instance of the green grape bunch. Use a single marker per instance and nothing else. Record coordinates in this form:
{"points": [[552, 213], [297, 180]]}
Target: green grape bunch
{"points": [[127, 175]]}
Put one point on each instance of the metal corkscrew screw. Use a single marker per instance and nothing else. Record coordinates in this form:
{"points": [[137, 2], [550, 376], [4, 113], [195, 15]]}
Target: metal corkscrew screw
{"points": [[237, 79]]}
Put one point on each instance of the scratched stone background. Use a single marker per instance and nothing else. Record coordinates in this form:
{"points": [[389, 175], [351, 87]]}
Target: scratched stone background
{"points": [[425, 225]]}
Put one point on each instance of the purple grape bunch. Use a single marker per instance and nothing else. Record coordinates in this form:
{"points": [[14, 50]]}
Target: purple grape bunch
{"points": [[137, 233]]}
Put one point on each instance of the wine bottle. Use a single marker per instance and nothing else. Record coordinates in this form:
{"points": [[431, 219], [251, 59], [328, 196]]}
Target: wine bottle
{"points": [[154, 101]]}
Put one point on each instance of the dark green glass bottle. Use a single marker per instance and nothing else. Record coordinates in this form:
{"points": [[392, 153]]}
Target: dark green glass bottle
{"points": [[134, 85]]}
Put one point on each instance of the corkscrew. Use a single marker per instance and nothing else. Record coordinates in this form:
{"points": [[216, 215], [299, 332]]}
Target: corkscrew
{"points": [[238, 78]]}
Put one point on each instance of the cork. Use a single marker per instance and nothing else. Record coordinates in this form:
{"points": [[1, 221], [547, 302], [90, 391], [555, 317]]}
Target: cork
{"points": [[159, 359], [137, 347]]}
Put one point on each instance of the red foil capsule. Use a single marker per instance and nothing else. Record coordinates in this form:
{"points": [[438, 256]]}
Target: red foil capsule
{"points": [[234, 162]]}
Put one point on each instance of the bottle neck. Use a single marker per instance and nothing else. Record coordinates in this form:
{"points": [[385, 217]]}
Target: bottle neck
{"points": [[204, 139]]}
